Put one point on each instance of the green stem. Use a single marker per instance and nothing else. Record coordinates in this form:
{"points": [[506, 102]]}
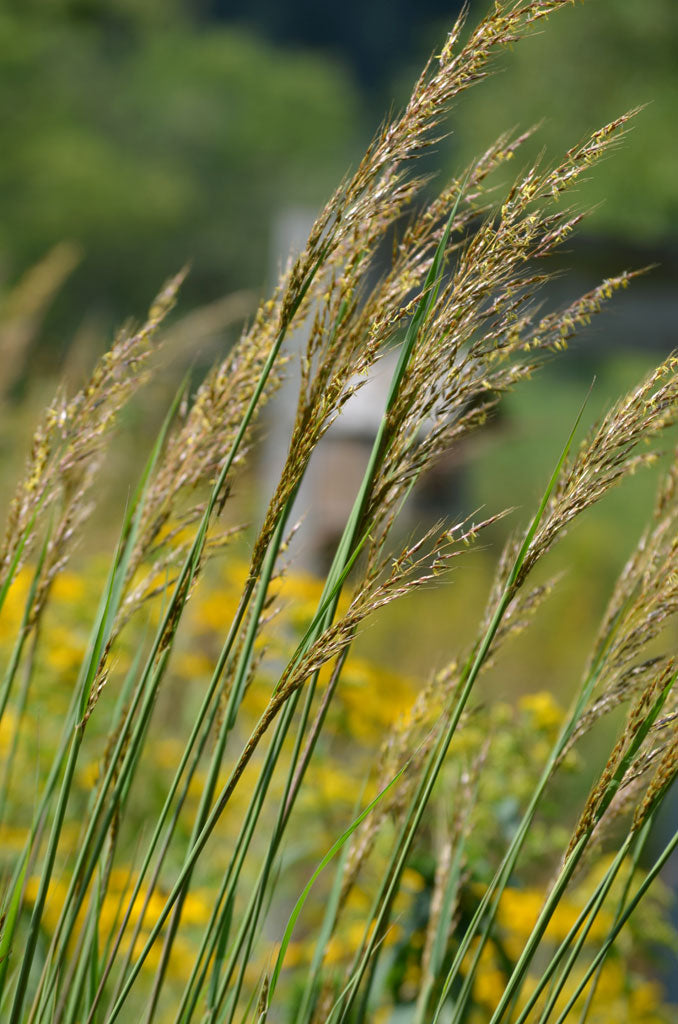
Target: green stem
{"points": [[614, 932]]}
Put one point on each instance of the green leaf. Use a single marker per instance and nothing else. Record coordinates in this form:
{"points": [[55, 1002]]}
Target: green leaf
{"points": [[331, 853]]}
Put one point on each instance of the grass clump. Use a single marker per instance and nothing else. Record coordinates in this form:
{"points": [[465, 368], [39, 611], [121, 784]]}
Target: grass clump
{"points": [[210, 733]]}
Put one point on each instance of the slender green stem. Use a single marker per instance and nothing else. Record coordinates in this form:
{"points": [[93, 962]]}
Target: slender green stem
{"points": [[224, 900], [615, 930], [423, 792], [579, 930], [635, 861], [26, 626], [611, 789], [232, 706], [165, 632]]}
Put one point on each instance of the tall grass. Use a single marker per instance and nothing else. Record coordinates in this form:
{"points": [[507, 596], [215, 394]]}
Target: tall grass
{"points": [[167, 881]]}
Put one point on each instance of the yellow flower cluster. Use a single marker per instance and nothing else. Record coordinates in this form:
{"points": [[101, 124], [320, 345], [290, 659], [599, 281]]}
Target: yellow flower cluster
{"points": [[515, 740]]}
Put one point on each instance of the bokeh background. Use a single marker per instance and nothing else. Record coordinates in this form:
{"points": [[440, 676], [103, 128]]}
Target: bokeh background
{"points": [[151, 132], [140, 135]]}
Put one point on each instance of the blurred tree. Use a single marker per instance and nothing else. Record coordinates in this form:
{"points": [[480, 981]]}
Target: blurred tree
{"points": [[591, 63], [151, 139], [376, 37], [152, 132]]}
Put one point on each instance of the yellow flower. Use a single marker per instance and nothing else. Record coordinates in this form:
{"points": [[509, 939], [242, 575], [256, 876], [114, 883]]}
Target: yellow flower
{"points": [[56, 894], [213, 612], [13, 608], [8, 726], [68, 587], [489, 986], [519, 909], [197, 906], [63, 651], [412, 880], [373, 698], [645, 998], [236, 572], [329, 785], [544, 709]]}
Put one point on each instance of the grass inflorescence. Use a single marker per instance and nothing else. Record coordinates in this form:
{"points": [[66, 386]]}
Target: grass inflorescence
{"points": [[188, 735]]}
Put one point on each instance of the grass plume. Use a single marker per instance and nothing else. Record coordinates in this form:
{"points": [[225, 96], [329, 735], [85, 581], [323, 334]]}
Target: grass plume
{"points": [[152, 873]]}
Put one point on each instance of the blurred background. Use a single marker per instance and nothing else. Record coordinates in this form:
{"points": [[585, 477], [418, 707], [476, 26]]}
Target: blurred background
{"points": [[139, 135]]}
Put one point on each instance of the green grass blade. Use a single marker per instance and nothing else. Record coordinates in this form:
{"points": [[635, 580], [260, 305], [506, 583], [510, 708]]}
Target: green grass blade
{"points": [[437, 758], [22, 636], [331, 853], [10, 919], [670, 847]]}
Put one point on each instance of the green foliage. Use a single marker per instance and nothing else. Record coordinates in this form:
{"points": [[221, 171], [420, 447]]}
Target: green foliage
{"points": [[167, 142], [598, 59]]}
